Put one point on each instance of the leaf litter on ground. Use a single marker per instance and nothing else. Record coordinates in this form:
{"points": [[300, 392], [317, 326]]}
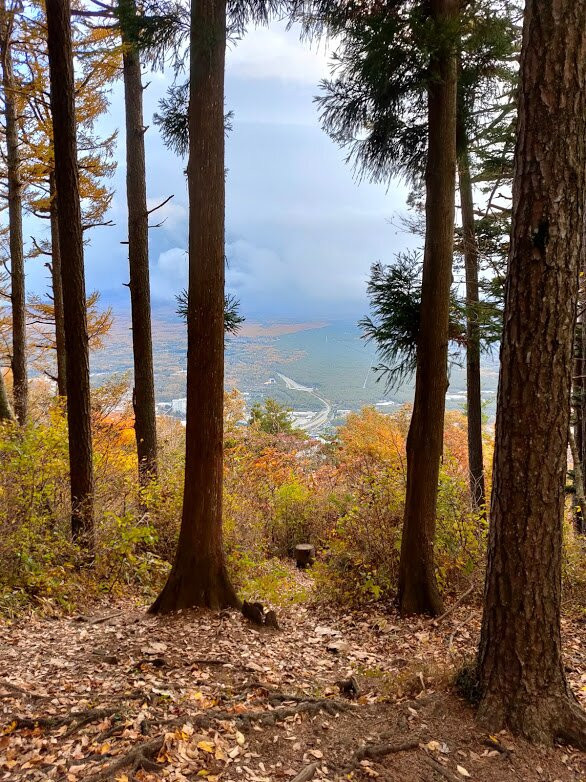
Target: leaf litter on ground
{"points": [[128, 696]]}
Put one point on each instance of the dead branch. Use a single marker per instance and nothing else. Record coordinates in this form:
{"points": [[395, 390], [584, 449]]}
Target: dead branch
{"points": [[159, 206], [375, 751], [435, 622], [306, 773], [439, 769]]}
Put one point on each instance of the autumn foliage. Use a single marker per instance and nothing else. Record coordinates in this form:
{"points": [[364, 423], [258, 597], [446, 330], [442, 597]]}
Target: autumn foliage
{"points": [[345, 496]]}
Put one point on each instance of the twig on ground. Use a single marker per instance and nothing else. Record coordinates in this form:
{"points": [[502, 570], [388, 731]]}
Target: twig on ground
{"points": [[306, 773], [380, 750], [96, 620], [439, 769], [435, 622]]}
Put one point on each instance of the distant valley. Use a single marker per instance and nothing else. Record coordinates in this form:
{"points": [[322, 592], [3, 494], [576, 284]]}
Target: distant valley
{"points": [[322, 371]]}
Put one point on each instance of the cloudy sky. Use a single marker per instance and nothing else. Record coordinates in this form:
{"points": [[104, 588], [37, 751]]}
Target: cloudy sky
{"points": [[301, 233]]}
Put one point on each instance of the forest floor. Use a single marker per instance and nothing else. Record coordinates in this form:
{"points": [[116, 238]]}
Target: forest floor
{"points": [[119, 694]]}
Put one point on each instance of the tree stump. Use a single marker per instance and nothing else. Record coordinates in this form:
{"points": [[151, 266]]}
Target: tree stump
{"points": [[304, 555]]}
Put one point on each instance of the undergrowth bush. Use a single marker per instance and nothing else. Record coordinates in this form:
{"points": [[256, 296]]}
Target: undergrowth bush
{"points": [[344, 496]]}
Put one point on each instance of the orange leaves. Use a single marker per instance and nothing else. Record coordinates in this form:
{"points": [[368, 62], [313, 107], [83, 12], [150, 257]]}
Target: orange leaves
{"points": [[370, 435]]}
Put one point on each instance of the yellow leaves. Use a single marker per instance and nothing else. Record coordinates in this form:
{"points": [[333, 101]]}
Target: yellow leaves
{"points": [[206, 746], [9, 728]]}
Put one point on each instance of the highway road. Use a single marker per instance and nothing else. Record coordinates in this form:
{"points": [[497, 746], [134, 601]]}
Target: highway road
{"points": [[321, 418]]}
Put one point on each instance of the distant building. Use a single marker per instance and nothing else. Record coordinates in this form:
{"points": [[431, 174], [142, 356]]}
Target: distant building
{"points": [[270, 382], [179, 406]]}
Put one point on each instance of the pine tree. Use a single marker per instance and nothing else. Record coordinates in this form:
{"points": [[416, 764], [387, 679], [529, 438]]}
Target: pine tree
{"points": [[99, 64], [72, 278], [156, 29], [15, 185], [198, 576], [143, 399], [522, 680], [376, 107], [44, 348]]}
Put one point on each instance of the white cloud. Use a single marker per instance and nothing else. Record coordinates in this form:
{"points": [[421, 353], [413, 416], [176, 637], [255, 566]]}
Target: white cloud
{"points": [[169, 274], [262, 274], [276, 53]]}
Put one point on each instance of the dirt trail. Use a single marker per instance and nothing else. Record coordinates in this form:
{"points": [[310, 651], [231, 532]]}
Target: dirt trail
{"points": [[123, 695]]}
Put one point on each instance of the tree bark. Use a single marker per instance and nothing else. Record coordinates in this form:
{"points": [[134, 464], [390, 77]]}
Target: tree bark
{"points": [[579, 400], [72, 270], [198, 576], [17, 278], [418, 592], [522, 677], [138, 256], [6, 413], [473, 386], [57, 293]]}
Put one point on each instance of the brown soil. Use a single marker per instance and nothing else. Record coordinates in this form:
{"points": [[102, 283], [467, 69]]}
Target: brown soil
{"points": [[211, 697]]}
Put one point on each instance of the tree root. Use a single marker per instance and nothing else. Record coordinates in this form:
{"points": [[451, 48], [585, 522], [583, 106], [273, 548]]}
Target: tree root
{"points": [[543, 720], [138, 757], [80, 718], [144, 752], [14, 688], [573, 725]]}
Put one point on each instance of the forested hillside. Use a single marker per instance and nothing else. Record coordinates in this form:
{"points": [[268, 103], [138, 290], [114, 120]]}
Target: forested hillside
{"points": [[256, 593]]}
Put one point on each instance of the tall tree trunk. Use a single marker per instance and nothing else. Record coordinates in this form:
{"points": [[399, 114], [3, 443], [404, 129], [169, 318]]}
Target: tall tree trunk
{"points": [[72, 271], [17, 279], [579, 401], [522, 677], [473, 388], [6, 413], [57, 293], [138, 256], [581, 423], [198, 576], [418, 591]]}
